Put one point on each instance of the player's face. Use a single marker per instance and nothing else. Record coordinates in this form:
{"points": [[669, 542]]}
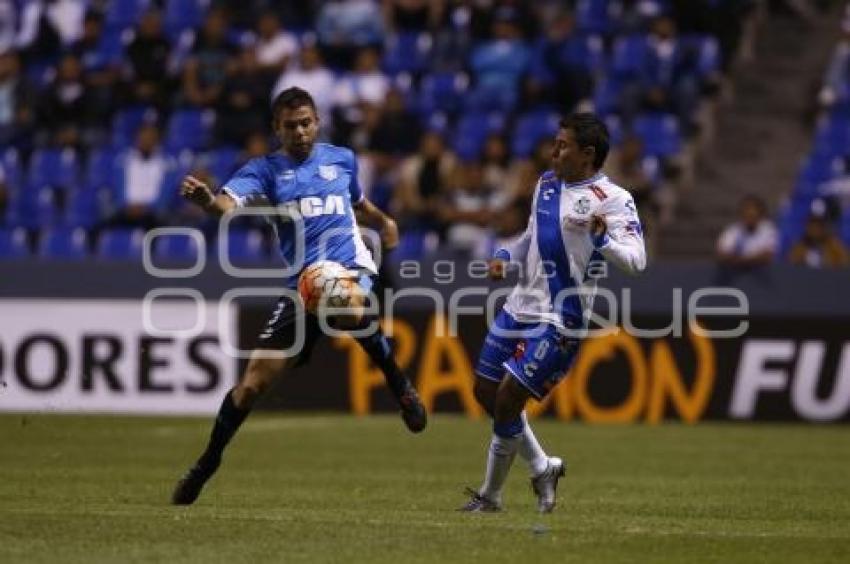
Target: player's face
{"points": [[568, 159], [297, 129]]}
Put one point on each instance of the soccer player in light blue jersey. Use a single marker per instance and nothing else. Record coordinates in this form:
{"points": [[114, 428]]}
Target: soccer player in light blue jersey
{"points": [[579, 220], [317, 183]]}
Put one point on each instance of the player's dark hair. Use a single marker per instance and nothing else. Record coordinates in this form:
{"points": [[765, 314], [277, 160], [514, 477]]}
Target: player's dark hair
{"points": [[589, 131], [290, 99]]}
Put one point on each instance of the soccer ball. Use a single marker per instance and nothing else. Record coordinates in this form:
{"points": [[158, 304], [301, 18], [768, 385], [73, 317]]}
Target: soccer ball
{"points": [[328, 284]]}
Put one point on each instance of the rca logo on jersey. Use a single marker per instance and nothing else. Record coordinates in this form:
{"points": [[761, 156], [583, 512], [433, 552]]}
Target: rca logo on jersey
{"points": [[314, 206]]}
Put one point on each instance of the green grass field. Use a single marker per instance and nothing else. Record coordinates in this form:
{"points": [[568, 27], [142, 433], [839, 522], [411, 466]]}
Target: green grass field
{"points": [[343, 489]]}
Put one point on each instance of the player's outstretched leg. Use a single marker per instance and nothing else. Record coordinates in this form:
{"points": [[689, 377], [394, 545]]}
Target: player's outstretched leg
{"points": [[234, 409], [413, 412]]}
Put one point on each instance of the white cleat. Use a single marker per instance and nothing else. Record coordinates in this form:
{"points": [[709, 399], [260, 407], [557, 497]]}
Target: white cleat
{"points": [[546, 484]]}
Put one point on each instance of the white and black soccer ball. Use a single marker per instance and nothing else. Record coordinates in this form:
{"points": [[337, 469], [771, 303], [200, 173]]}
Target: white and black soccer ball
{"points": [[327, 284]]}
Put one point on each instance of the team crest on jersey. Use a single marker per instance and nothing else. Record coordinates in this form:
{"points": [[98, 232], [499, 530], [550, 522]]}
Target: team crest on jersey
{"points": [[328, 172], [582, 205]]}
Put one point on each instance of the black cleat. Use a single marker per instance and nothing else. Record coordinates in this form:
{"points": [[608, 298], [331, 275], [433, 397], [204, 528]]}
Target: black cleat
{"points": [[412, 411], [480, 504], [190, 485]]}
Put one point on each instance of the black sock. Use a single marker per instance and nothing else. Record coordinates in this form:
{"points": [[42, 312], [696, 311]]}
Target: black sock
{"points": [[378, 348], [227, 422]]}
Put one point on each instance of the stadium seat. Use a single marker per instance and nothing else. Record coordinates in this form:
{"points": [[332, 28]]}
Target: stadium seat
{"points": [[222, 162], [659, 133], [11, 168], [125, 13], [126, 124], [13, 243], [179, 16], [406, 52], [832, 136], [100, 168], [176, 248], [442, 92], [530, 129], [629, 55], [594, 16], [54, 168], [189, 129], [120, 244], [245, 246], [34, 209], [63, 243], [472, 131], [84, 207]]}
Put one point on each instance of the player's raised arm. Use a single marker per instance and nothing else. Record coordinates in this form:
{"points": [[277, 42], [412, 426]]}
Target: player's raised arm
{"points": [[617, 234], [200, 194]]}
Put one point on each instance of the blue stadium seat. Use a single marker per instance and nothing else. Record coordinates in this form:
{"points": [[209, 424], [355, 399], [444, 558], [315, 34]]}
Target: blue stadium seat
{"points": [[615, 129], [13, 243], [189, 129], [176, 247], [820, 167], [11, 164], [411, 245], [100, 168], [530, 129], [121, 14], [594, 16], [606, 96], [110, 49], [179, 16], [34, 209], [63, 243], [54, 168], [832, 136], [246, 246], [126, 124], [660, 134], [472, 131], [84, 207], [629, 56], [442, 92], [120, 244], [406, 52], [222, 162]]}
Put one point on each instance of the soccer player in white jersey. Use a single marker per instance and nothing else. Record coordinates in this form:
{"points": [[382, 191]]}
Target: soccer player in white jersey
{"points": [[578, 217]]}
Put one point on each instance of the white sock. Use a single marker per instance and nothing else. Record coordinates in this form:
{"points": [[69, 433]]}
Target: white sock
{"points": [[531, 451], [499, 460]]}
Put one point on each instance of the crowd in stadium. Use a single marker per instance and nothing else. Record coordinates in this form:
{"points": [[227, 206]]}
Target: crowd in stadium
{"points": [[449, 104]]}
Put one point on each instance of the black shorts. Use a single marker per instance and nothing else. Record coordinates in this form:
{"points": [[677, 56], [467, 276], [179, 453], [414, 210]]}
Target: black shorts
{"points": [[288, 319]]}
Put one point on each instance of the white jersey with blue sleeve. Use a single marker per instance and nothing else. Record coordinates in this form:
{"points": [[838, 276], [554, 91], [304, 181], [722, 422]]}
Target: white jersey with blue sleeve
{"points": [[314, 200], [557, 251]]}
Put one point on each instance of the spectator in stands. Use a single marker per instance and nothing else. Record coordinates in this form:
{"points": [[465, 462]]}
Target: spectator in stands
{"points": [[627, 166], [100, 71], [424, 181], [495, 160], [243, 107], [138, 184], [274, 48], [313, 76], [469, 210], [483, 14], [751, 241], [65, 105], [8, 25], [256, 146], [560, 72], [398, 129], [16, 99], [498, 65], [148, 80], [525, 173], [365, 86], [212, 60], [38, 40], [668, 77], [412, 15], [343, 26], [819, 247]]}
